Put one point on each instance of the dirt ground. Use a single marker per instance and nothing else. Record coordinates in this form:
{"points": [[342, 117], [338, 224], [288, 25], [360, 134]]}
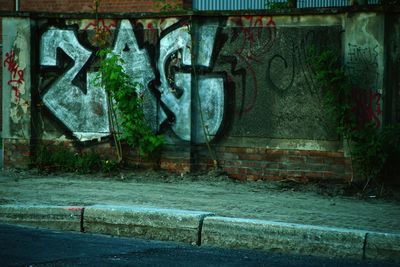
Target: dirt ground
{"points": [[287, 201]]}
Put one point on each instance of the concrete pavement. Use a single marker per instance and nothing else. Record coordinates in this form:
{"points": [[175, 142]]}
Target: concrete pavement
{"points": [[202, 228]]}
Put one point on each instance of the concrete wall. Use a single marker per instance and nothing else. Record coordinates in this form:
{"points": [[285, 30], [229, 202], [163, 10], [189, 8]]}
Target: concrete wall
{"points": [[242, 83]]}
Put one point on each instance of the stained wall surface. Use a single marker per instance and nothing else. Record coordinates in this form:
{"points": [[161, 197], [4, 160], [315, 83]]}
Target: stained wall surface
{"points": [[242, 83]]}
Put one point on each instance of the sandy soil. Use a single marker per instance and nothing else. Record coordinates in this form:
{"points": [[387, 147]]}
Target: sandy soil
{"points": [[319, 204]]}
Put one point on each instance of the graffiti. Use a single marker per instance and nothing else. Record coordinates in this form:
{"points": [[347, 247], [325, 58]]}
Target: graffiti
{"points": [[177, 41], [16, 73], [257, 35], [362, 66], [103, 24], [15, 63], [367, 107], [137, 66], [169, 101], [278, 71], [254, 30], [85, 114], [176, 84]]}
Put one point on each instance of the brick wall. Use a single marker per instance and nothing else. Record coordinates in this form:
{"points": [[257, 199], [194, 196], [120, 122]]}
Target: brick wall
{"points": [[87, 5], [176, 159], [6, 5], [17, 153], [260, 163]]}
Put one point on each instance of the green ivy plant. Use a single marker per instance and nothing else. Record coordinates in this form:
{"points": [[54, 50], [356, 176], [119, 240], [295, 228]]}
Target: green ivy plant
{"points": [[273, 5], [371, 148], [60, 158], [128, 102], [171, 5], [336, 90]]}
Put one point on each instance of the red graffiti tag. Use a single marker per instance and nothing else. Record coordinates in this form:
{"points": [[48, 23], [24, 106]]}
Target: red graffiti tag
{"points": [[254, 44], [102, 24], [368, 106], [264, 26], [17, 74]]}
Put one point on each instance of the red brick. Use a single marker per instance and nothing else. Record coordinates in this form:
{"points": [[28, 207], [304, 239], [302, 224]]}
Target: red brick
{"points": [[238, 150], [314, 174], [232, 162], [277, 152], [228, 155], [251, 164], [87, 6], [317, 160], [7, 5], [296, 159], [230, 170], [291, 174], [272, 158], [251, 157]]}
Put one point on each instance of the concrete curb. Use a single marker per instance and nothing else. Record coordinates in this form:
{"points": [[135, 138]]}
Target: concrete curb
{"points": [[54, 217], [203, 228], [148, 223], [299, 239], [383, 246]]}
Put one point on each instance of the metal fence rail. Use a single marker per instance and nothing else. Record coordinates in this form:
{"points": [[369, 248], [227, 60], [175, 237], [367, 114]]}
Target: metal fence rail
{"points": [[264, 4], [228, 4], [327, 3]]}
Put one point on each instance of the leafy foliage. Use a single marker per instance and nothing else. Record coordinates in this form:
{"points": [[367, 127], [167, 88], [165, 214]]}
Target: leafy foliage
{"points": [[336, 89], [277, 5], [171, 5], [62, 159], [371, 148], [273, 5], [128, 102], [374, 149]]}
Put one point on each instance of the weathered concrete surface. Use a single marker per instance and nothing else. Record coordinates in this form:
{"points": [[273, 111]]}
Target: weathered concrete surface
{"points": [[143, 222], [333, 226], [382, 246], [53, 217], [283, 237]]}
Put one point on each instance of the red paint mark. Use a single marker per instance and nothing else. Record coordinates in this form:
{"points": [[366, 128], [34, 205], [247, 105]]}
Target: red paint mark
{"points": [[248, 52], [102, 25], [368, 107], [265, 26], [17, 74], [73, 208]]}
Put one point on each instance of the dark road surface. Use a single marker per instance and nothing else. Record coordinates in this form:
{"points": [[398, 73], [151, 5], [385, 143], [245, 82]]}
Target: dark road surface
{"points": [[24, 246]]}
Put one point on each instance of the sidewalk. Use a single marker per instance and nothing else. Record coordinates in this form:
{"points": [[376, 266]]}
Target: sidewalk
{"points": [[213, 211]]}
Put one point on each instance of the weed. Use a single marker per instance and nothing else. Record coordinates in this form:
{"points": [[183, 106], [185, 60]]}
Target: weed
{"points": [[372, 148]]}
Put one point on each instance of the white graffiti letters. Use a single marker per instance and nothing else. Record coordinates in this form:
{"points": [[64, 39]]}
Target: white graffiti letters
{"points": [[84, 114], [195, 116]]}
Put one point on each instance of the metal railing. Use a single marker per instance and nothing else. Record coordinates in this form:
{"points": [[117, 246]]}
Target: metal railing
{"points": [[228, 4], [265, 4]]}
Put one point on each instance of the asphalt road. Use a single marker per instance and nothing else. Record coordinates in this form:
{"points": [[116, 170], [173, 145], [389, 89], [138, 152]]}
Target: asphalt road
{"points": [[25, 246]]}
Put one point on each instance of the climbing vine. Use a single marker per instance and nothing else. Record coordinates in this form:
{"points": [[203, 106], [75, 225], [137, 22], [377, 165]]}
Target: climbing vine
{"points": [[372, 149], [124, 94], [125, 103]]}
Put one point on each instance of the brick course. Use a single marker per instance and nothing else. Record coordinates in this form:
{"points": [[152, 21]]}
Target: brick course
{"points": [[249, 164], [17, 153], [87, 5], [257, 163]]}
